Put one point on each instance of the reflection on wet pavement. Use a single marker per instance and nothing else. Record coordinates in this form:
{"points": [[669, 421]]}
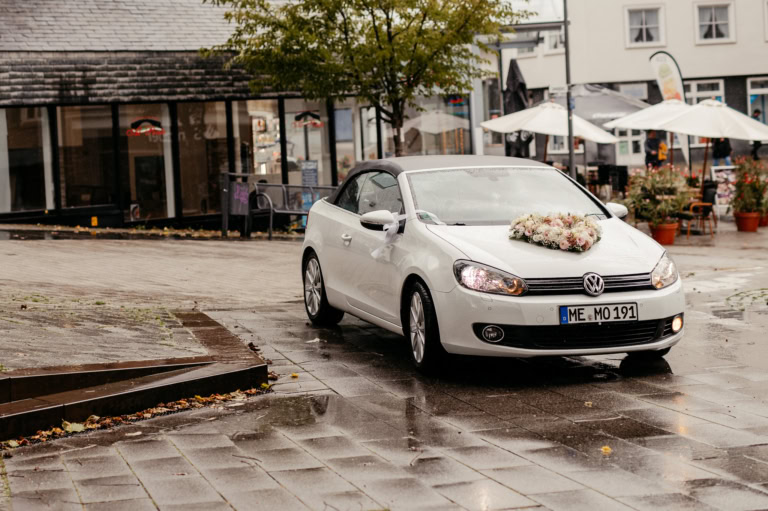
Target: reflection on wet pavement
{"points": [[360, 429]]}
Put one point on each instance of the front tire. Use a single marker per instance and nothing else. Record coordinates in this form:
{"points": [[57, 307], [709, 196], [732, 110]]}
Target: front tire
{"points": [[422, 330], [319, 311]]}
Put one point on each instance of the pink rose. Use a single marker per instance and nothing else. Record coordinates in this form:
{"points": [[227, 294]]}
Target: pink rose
{"points": [[564, 245]]}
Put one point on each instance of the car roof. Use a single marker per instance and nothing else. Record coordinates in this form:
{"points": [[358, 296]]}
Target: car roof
{"points": [[398, 165], [409, 163]]}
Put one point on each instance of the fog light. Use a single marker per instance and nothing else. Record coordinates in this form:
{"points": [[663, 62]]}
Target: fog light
{"points": [[492, 333], [677, 324]]}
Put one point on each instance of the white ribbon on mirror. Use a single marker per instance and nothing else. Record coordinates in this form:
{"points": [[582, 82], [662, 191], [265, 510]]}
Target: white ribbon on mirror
{"points": [[390, 235]]}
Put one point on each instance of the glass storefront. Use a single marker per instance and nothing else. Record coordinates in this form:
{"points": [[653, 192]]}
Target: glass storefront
{"points": [[86, 156], [145, 153], [257, 139], [202, 155], [25, 160], [441, 128], [306, 127]]}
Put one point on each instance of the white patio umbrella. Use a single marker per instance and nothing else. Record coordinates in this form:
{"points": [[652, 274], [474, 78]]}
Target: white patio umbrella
{"points": [[549, 119], [713, 119], [652, 118]]}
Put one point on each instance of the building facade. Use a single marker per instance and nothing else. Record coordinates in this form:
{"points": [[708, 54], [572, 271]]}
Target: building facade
{"points": [[108, 110], [721, 47]]}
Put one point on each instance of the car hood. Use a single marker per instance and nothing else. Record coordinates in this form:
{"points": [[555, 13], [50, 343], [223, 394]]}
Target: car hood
{"points": [[621, 250]]}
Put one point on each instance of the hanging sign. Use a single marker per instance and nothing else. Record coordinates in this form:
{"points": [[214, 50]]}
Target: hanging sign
{"points": [[667, 76]]}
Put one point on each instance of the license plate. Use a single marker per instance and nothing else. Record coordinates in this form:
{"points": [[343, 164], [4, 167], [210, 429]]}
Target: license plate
{"points": [[605, 313]]}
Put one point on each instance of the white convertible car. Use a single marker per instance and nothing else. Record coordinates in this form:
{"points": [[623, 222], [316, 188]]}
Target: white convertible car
{"points": [[420, 246]]}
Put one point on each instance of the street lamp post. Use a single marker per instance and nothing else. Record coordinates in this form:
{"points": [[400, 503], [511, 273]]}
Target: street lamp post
{"points": [[568, 98]]}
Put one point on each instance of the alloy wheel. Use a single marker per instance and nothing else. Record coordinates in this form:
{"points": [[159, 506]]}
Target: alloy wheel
{"points": [[313, 287], [417, 327]]}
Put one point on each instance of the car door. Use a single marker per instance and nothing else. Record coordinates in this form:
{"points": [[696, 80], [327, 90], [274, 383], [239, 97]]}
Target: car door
{"points": [[370, 284]]}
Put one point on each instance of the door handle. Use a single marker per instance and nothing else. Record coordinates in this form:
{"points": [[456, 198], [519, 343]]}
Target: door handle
{"points": [[346, 237]]}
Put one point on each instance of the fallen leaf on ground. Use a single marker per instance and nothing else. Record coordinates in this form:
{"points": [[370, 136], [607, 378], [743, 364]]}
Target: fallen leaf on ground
{"points": [[294, 375], [316, 339], [606, 450], [72, 427], [588, 404], [135, 433], [273, 375]]}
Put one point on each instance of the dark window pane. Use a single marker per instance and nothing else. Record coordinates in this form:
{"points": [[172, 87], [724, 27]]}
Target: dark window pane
{"points": [[86, 155], [380, 191], [22, 159], [351, 193], [202, 155], [145, 153]]}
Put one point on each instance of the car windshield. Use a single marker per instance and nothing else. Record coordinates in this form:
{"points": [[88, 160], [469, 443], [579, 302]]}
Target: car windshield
{"points": [[489, 196]]}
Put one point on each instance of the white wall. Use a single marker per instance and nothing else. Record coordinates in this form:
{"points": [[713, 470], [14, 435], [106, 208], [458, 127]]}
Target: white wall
{"points": [[599, 51]]}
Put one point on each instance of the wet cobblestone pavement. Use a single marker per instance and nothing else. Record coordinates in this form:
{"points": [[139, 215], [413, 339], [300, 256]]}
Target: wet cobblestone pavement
{"points": [[358, 429]]}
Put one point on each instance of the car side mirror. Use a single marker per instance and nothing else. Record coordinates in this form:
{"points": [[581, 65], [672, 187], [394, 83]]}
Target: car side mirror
{"points": [[376, 220], [619, 210]]}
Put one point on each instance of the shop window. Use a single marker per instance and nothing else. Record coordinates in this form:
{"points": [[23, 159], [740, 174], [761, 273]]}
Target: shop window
{"points": [[145, 152], [630, 150], [442, 127], [306, 125], [25, 160], [202, 155], [559, 145], [715, 23], [757, 91], [86, 156], [644, 26], [257, 139]]}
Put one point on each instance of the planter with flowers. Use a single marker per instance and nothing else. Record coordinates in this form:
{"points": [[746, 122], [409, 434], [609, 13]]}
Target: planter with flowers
{"points": [[749, 202], [657, 197]]}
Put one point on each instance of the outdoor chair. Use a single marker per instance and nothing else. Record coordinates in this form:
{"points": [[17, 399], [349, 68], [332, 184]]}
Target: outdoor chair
{"points": [[702, 212]]}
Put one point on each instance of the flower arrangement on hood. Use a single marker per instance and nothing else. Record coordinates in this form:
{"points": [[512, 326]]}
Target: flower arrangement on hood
{"points": [[559, 231]]}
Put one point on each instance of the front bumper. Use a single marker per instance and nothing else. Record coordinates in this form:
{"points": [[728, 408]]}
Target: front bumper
{"points": [[460, 309]]}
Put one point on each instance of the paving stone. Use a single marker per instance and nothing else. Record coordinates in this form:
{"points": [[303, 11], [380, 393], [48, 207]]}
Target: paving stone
{"points": [[728, 495], [357, 469], [405, 493], [216, 457], [532, 479], [163, 468], [110, 489], [514, 439], [333, 447], [181, 490], [352, 386], [101, 466], [216, 505], [722, 436], [665, 468], [485, 457], [666, 502], [39, 480], [618, 483], [272, 499], [64, 499], [400, 451], [237, 479], [200, 441], [579, 500], [484, 495], [122, 505], [146, 449], [441, 470], [293, 458]]}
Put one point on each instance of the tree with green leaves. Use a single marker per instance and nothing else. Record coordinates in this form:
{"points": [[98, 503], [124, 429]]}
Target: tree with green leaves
{"points": [[386, 52]]}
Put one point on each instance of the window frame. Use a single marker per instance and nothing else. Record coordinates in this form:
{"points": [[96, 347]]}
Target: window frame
{"points": [[693, 93], [756, 90], [662, 26], [730, 4], [548, 35]]}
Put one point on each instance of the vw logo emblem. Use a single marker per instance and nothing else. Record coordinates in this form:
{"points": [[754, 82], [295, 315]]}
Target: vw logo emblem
{"points": [[593, 284]]}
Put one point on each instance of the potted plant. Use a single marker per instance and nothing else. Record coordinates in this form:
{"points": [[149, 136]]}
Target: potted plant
{"points": [[749, 196], [658, 196]]}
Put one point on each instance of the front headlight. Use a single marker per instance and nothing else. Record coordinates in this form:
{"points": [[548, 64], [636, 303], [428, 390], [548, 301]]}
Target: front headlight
{"points": [[486, 279], [665, 273]]}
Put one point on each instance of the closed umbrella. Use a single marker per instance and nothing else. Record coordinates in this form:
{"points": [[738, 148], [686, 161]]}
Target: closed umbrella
{"points": [[713, 119], [548, 119]]}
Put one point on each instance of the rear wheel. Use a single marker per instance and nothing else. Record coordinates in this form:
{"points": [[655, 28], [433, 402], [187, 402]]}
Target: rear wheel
{"points": [[649, 355], [318, 309], [427, 351]]}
